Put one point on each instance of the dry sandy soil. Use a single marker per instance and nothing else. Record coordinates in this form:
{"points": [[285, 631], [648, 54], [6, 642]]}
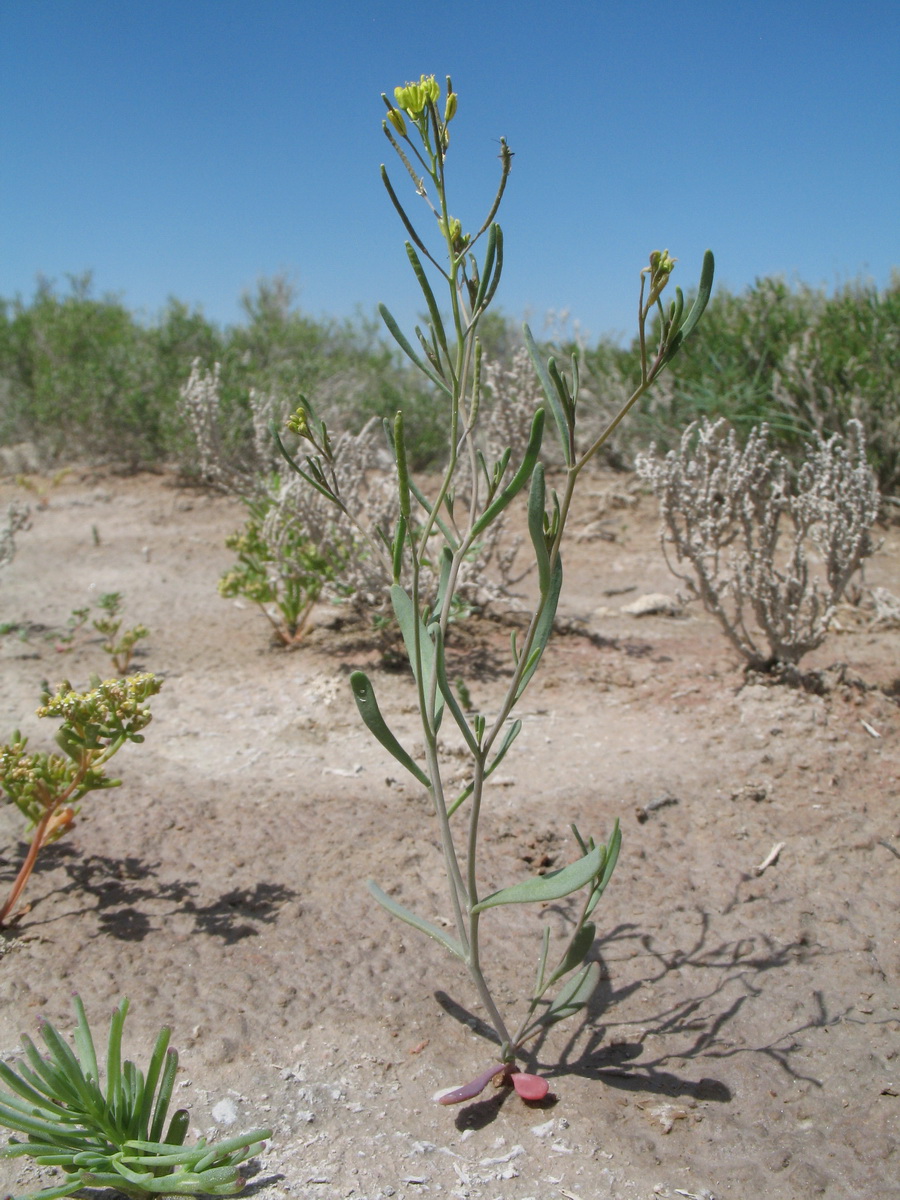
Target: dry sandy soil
{"points": [[745, 1041]]}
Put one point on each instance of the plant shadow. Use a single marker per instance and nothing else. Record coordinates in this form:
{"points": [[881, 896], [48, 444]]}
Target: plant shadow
{"points": [[122, 889]]}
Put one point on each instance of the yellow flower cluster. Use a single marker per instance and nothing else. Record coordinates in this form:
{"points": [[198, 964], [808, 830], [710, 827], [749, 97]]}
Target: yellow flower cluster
{"points": [[116, 699], [413, 98]]}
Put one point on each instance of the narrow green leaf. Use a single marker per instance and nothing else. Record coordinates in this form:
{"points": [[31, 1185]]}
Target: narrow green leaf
{"points": [[509, 737], [574, 996], [536, 498], [55, 1193], [410, 918], [154, 1069], [364, 695], [704, 291], [544, 627], [443, 582], [85, 1043], [612, 854], [404, 610], [553, 399], [178, 1127], [436, 323], [166, 1087], [578, 950], [402, 468], [562, 389], [400, 338], [114, 1054], [449, 695], [69, 1068], [410, 229], [30, 1095], [552, 886], [520, 478]]}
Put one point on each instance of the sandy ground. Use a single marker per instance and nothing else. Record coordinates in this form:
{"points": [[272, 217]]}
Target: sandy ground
{"points": [[744, 1041]]}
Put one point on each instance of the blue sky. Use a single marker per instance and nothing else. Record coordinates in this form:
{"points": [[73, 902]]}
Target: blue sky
{"points": [[188, 147]]}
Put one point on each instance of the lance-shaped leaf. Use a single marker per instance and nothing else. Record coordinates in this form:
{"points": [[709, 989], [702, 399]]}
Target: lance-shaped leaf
{"points": [[578, 950], [364, 695], [612, 854], [552, 886], [544, 627], [704, 291], [410, 918], [520, 478], [554, 399], [447, 692], [572, 997], [536, 499], [407, 618], [433, 311]]}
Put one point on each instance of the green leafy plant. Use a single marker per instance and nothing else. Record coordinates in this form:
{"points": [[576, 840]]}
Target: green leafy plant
{"points": [[427, 546], [279, 567], [76, 622], [114, 1135], [119, 644], [48, 788]]}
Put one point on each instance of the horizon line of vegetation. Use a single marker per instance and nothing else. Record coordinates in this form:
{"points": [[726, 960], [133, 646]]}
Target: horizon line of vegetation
{"points": [[83, 379]]}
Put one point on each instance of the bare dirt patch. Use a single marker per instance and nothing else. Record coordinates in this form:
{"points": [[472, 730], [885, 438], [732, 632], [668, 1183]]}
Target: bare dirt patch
{"points": [[745, 1042]]}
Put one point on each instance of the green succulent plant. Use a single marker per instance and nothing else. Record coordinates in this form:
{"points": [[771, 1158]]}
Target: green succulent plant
{"points": [[114, 1136]]}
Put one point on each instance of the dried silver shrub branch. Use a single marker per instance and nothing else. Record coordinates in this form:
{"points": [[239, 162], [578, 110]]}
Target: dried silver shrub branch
{"points": [[745, 523], [16, 519], [222, 459]]}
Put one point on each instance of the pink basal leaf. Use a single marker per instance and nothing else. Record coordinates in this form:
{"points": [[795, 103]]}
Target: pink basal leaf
{"points": [[474, 1088], [530, 1087]]}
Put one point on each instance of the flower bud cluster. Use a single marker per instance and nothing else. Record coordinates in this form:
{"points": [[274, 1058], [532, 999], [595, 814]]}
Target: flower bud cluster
{"points": [[414, 98], [115, 704]]}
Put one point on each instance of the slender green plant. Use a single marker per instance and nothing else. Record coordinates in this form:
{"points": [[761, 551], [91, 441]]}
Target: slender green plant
{"points": [[48, 788], [119, 644], [114, 1136], [435, 532]]}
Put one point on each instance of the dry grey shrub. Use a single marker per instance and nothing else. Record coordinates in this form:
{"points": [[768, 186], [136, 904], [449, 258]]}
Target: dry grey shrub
{"points": [[363, 478], [16, 519], [746, 523], [224, 460]]}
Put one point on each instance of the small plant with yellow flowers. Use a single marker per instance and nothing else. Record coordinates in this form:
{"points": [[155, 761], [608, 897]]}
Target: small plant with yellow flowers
{"points": [[427, 547]]}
